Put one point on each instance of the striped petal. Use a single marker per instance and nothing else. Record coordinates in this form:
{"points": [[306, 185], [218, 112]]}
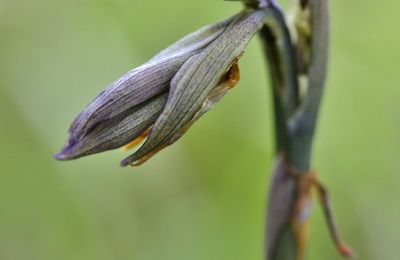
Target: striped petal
{"points": [[194, 83], [131, 99], [146, 81]]}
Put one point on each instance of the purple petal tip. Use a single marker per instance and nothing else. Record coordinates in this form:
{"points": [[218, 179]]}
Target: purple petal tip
{"points": [[67, 153], [60, 157]]}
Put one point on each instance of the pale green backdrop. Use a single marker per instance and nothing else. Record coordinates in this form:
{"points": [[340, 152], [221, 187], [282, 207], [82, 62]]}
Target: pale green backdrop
{"points": [[203, 198]]}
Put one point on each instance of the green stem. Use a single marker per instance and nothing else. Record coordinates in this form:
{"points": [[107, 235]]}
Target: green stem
{"points": [[304, 123], [295, 120], [281, 59], [280, 240]]}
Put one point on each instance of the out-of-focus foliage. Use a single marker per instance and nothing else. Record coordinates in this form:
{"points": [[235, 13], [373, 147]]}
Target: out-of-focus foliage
{"points": [[204, 197]]}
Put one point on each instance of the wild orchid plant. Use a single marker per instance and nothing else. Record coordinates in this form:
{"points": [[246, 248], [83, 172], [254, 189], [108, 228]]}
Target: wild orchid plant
{"points": [[158, 102]]}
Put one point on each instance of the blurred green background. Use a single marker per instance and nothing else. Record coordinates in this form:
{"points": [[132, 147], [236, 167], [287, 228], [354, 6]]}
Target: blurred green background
{"points": [[204, 197]]}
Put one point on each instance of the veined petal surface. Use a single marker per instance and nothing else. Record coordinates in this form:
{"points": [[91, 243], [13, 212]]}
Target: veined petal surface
{"points": [[193, 83]]}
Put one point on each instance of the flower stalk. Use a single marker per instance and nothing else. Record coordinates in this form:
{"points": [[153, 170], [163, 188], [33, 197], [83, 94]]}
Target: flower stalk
{"points": [[297, 60]]}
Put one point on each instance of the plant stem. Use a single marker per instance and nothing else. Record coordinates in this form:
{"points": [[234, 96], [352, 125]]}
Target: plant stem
{"points": [[295, 122], [290, 197]]}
